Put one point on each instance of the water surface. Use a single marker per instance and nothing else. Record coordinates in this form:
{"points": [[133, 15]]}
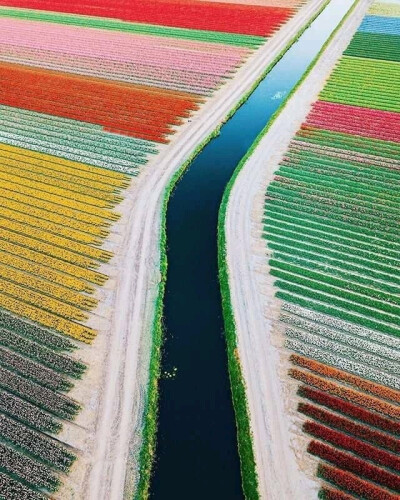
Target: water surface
{"points": [[197, 457]]}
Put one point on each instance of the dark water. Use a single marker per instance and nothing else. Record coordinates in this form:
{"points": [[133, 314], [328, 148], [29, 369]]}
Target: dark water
{"points": [[197, 456]]}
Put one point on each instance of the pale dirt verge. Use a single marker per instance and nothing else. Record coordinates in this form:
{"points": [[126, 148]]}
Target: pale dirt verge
{"points": [[107, 433], [284, 470]]}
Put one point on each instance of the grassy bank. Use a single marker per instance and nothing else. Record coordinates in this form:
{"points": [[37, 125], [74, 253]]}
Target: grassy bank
{"points": [[245, 442]]}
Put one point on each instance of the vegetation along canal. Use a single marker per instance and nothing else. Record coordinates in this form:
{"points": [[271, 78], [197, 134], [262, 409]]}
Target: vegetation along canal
{"points": [[197, 455]]}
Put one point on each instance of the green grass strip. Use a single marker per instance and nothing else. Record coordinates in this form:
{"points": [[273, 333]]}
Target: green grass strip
{"points": [[316, 280], [332, 227], [375, 46], [136, 28]]}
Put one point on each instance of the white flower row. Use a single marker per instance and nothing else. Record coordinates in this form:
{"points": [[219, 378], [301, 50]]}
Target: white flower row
{"points": [[345, 351], [27, 469], [340, 324], [32, 370], [54, 360], [343, 337], [13, 490], [345, 364], [59, 404], [36, 443], [27, 413]]}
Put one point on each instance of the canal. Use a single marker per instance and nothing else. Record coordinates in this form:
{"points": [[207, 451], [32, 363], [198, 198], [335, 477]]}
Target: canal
{"points": [[197, 457]]}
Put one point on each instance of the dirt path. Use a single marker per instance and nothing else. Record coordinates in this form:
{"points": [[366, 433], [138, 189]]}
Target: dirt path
{"points": [[109, 434], [281, 477]]}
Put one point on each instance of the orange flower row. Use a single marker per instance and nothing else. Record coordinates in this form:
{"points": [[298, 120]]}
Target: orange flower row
{"points": [[346, 393], [335, 373]]}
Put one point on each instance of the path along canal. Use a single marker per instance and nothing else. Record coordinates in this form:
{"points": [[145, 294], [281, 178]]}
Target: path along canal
{"points": [[197, 457]]}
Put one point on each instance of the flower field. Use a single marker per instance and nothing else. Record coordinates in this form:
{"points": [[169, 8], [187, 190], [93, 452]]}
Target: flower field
{"points": [[193, 14], [90, 93], [331, 222]]}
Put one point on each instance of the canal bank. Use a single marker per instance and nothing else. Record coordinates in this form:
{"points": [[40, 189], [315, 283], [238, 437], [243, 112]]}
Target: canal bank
{"points": [[198, 396], [241, 220], [276, 97]]}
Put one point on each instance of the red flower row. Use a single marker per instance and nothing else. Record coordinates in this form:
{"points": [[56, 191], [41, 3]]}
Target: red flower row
{"points": [[350, 409], [369, 402], [355, 465], [193, 14], [350, 427], [138, 111], [348, 443], [353, 484], [355, 120]]}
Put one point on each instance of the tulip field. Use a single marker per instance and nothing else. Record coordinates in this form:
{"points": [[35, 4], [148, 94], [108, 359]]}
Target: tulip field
{"points": [[90, 93], [331, 223]]}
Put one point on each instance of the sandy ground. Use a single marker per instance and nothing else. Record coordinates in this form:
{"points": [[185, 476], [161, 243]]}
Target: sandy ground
{"points": [[107, 433], [285, 471]]}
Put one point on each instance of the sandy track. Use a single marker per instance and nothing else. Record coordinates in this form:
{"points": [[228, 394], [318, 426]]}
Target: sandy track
{"points": [[113, 445], [280, 472]]}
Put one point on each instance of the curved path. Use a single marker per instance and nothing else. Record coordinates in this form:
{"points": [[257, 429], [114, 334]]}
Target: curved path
{"points": [[280, 474]]}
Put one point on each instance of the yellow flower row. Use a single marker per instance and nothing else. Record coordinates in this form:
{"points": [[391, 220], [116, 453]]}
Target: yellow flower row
{"points": [[53, 217], [42, 301], [52, 168], [48, 249], [88, 202], [41, 271], [45, 225], [49, 320], [75, 273], [25, 173], [103, 213], [42, 286], [53, 206], [97, 174], [59, 241]]}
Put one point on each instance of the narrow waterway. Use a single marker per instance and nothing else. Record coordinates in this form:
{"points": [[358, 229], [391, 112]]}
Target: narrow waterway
{"points": [[197, 457]]}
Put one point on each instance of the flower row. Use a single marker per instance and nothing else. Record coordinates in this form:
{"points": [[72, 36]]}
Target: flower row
{"points": [[29, 414], [346, 393], [300, 342], [47, 357], [36, 444], [47, 319], [353, 484], [355, 465], [351, 410], [344, 376], [51, 268], [354, 445], [34, 473], [58, 404], [350, 427], [34, 371], [14, 490]]}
